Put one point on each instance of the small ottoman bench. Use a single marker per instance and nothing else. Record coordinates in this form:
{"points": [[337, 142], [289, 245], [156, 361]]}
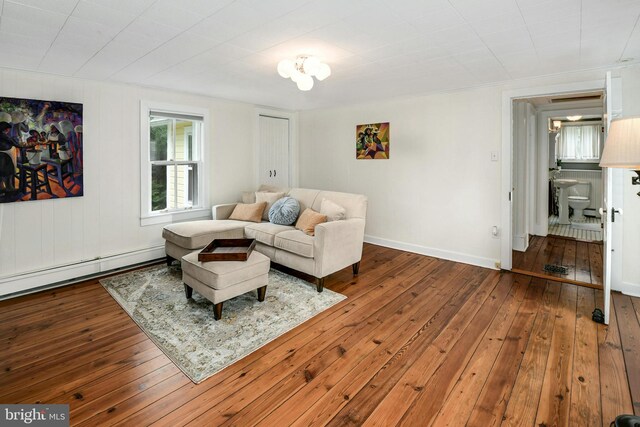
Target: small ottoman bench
{"points": [[182, 238], [219, 281]]}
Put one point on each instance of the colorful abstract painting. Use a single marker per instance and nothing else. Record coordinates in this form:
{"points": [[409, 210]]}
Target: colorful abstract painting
{"points": [[372, 141], [40, 150]]}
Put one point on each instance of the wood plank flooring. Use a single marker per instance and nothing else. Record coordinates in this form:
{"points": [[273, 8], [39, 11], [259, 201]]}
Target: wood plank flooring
{"points": [[582, 259], [419, 341]]}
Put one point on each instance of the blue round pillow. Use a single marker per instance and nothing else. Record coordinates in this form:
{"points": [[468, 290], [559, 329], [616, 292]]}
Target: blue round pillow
{"points": [[284, 211]]}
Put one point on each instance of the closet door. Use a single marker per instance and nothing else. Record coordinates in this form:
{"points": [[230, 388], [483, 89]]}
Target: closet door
{"points": [[274, 151]]}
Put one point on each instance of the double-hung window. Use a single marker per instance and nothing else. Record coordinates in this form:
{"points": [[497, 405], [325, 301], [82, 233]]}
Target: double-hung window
{"points": [[173, 163], [579, 142]]}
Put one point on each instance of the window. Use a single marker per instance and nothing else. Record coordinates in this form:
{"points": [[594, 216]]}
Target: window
{"points": [[579, 142], [173, 164]]}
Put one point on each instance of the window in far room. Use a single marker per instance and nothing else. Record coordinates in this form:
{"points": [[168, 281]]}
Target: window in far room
{"points": [[579, 142], [173, 176]]}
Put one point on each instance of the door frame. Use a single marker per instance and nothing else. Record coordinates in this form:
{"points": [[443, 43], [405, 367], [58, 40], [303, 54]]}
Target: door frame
{"points": [[541, 225], [292, 116], [506, 186]]}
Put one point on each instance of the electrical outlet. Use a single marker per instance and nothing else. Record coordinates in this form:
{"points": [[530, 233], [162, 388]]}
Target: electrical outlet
{"points": [[498, 265]]}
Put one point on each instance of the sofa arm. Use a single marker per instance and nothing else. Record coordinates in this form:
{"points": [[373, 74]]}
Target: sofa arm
{"points": [[337, 244], [222, 211]]}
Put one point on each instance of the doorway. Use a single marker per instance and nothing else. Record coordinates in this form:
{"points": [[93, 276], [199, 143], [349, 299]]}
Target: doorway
{"points": [[558, 185]]}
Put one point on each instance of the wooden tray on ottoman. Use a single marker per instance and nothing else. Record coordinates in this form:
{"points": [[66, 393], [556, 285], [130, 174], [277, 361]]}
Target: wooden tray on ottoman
{"points": [[227, 250]]}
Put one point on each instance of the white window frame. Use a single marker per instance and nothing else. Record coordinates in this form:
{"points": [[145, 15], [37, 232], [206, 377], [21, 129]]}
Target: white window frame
{"points": [[202, 209]]}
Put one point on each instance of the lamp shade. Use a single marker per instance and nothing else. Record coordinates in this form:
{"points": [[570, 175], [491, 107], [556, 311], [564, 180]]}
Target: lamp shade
{"points": [[622, 148]]}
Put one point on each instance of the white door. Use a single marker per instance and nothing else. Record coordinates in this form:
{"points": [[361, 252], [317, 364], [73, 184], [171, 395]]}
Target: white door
{"points": [[274, 151], [611, 205]]}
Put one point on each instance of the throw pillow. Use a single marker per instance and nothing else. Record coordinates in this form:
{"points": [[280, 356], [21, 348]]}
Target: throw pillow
{"points": [[284, 211], [333, 211], [248, 212], [270, 199], [308, 221]]}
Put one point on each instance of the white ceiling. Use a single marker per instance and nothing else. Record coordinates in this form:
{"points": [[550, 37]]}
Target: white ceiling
{"points": [[376, 48]]}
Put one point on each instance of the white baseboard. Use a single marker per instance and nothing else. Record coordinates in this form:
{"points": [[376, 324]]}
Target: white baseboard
{"points": [[35, 281], [631, 289], [434, 252]]}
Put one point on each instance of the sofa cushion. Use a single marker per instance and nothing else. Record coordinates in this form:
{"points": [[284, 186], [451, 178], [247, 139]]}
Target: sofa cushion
{"points": [[198, 234], [221, 275], [308, 221], [265, 232], [333, 211], [304, 196], [295, 241], [284, 211], [248, 212], [269, 199]]}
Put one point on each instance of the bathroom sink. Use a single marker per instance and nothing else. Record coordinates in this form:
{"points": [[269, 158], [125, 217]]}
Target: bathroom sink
{"points": [[563, 201], [564, 183]]}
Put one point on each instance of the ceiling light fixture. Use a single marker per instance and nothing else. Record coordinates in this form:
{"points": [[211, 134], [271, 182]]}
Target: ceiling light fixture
{"points": [[574, 118], [302, 69]]}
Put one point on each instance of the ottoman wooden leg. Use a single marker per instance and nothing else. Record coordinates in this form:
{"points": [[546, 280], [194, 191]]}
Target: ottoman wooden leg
{"points": [[261, 293], [188, 290], [217, 311], [170, 260], [320, 284]]}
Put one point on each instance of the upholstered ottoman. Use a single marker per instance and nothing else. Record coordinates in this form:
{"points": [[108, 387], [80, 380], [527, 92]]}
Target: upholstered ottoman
{"points": [[182, 238], [219, 281]]}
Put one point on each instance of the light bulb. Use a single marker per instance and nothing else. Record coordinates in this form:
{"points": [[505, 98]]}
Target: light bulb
{"points": [[323, 72], [296, 75], [311, 65], [305, 82], [574, 118], [285, 67]]}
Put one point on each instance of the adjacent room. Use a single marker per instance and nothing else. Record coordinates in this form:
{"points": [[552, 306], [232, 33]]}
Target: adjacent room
{"points": [[304, 212]]}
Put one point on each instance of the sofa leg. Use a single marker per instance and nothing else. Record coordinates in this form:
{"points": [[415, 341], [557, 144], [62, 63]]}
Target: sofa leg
{"points": [[170, 260], [188, 291], [356, 268], [261, 293], [217, 311], [320, 284]]}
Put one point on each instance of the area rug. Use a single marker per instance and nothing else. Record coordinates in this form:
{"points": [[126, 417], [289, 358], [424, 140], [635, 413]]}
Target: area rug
{"points": [[186, 331]]}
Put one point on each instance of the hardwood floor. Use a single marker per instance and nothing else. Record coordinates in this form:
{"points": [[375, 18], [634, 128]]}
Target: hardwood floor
{"points": [[583, 260], [419, 341]]}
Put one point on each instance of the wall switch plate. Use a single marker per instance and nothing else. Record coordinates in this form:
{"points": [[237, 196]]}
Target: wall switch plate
{"points": [[494, 156], [495, 232]]}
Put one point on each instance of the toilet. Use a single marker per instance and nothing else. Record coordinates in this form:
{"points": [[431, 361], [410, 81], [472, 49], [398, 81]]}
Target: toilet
{"points": [[579, 199]]}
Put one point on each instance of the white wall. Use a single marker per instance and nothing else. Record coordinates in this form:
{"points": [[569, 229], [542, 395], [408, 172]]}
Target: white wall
{"points": [[631, 216], [439, 193], [105, 222]]}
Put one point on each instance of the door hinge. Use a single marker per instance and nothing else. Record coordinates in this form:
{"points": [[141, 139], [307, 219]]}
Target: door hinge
{"points": [[509, 195]]}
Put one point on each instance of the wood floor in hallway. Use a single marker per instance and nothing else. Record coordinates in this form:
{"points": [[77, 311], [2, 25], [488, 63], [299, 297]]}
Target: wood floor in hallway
{"points": [[419, 341], [582, 259]]}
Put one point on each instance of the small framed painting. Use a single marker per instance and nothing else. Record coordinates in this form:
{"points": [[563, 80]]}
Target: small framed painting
{"points": [[372, 141]]}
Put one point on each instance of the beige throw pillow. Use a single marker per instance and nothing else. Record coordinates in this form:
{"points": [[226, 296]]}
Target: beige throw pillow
{"points": [[308, 221], [270, 199], [248, 212], [333, 211]]}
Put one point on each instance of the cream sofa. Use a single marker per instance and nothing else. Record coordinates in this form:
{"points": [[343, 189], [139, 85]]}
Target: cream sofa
{"points": [[336, 244]]}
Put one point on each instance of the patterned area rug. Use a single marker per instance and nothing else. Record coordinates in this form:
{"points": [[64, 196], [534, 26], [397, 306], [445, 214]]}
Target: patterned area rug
{"points": [[185, 329]]}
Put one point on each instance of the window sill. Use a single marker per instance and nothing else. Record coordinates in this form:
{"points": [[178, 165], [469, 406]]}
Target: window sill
{"points": [[177, 216]]}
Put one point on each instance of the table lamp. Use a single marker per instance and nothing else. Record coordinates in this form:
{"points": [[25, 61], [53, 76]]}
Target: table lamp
{"points": [[622, 149]]}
